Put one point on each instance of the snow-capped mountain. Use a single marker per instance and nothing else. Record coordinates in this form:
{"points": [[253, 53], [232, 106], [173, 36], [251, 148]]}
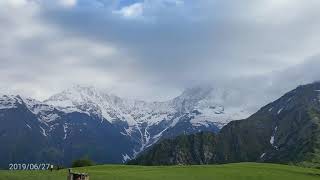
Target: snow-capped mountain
{"points": [[203, 105], [286, 131], [208, 102], [110, 107], [96, 117]]}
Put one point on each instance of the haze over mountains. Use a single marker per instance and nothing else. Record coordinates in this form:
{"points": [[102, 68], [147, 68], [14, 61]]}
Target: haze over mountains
{"points": [[284, 131], [84, 121], [87, 122]]}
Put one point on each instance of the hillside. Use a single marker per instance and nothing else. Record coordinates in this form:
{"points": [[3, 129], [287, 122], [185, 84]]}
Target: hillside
{"points": [[285, 131], [242, 171], [185, 149]]}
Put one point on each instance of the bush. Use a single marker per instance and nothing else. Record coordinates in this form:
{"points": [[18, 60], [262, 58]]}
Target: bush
{"points": [[82, 163]]}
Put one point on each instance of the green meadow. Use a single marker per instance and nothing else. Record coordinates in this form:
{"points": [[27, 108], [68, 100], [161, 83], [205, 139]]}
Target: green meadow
{"points": [[239, 171]]}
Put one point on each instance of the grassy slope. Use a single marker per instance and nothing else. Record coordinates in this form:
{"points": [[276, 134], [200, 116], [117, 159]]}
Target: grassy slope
{"points": [[241, 171]]}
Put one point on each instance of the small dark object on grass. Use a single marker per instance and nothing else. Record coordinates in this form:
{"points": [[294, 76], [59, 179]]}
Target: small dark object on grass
{"points": [[77, 176]]}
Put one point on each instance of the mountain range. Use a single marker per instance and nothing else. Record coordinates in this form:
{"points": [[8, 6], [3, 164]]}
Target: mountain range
{"points": [[284, 131], [87, 122]]}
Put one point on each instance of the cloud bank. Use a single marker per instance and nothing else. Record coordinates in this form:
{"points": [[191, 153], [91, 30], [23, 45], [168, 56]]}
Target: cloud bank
{"points": [[154, 49]]}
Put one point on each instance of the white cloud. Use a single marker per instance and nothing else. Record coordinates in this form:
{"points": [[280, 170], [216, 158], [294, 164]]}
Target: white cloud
{"points": [[147, 9], [45, 47], [68, 3], [42, 59], [131, 11], [14, 3]]}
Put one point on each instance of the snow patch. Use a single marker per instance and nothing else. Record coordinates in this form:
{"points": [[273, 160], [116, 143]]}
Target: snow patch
{"points": [[128, 130], [272, 140], [8, 102], [125, 158], [219, 117], [157, 136], [43, 111], [146, 136], [43, 132], [123, 134], [175, 121], [65, 129]]}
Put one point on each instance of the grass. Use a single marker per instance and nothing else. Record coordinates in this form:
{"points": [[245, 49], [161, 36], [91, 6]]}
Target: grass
{"points": [[239, 171]]}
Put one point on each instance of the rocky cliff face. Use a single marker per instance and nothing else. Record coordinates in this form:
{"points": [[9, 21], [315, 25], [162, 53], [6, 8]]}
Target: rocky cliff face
{"points": [[285, 131], [185, 149]]}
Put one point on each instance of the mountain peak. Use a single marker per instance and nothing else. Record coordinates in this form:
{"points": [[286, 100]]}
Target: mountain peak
{"points": [[77, 95]]}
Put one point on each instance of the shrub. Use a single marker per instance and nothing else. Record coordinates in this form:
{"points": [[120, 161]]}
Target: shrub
{"points": [[82, 162]]}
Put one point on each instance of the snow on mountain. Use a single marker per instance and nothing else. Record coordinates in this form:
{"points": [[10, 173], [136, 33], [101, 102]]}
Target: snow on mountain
{"points": [[85, 100], [110, 107], [9, 101], [45, 112], [208, 102], [211, 105], [144, 122]]}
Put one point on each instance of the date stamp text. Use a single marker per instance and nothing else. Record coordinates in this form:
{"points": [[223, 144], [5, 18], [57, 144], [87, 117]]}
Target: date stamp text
{"points": [[29, 166]]}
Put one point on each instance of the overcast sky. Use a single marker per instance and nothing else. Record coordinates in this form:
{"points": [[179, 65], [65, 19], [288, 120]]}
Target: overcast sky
{"points": [[153, 49]]}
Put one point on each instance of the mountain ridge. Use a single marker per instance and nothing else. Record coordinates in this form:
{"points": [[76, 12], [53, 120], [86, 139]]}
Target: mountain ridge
{"points": [[67, 116], [284, 131]]}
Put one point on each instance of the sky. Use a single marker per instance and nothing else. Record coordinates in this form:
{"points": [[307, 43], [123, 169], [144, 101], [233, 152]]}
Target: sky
{"points": [[153, 49]]}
